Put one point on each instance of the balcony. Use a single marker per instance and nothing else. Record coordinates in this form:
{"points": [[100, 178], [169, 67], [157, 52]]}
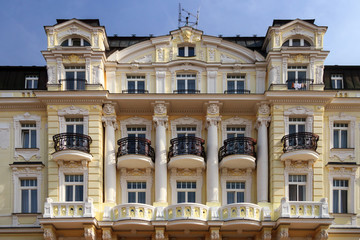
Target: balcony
{"points": [[238, 152], [72, 146], [68, 209], [237, 91], [303, 209], [135, 152], [73, 83], [299, 84], [186, 152], [300, 146], [186, 91], [191, 211], [135, 91], [243, 211], [133, 211]]}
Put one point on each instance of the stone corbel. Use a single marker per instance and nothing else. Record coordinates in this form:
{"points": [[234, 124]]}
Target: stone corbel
{"points": [[107, 234], [89, 233], [49, 233]]}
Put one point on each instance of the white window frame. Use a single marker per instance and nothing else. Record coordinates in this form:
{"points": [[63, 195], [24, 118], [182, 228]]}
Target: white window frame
{"points": [[340, 188], [186, 121], [342, 172], [73, 121], [186, 51], [236, 121], [178, 70], [26, 171], [340, 128], [26, 153], [29, 189], [185, 190], [135, 190], [136, 79], [235, 190], [300, 168], [73, 112], [31, 78], [298, 121], [236, 78], [29, 127], [302, 44], [189, 76], [236, 175], [297, 185], [70, 42], [135, 175], [73, 184], [186, 175], [299, 112], [335, 79], [135, 121]]}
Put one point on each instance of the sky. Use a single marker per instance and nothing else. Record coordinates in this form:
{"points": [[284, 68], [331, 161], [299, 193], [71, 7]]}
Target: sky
{"points": [[23, 36]]}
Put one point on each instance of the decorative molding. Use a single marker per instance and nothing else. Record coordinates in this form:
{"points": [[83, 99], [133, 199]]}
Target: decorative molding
{"points": [[51, 74], [108, 109], [299, 111], [136, 175], [106, 234], [89, 233], [49, 233], [70, 112], [135, 121], [212, 120], [144, 59], [186, 121], [342, 118], [342, 154], [238, 122], [160, 109], [213, 109], [262, 121], [161, 121], [226, 59], [4, 135], [109, 121], [186, 174], [263, 109]]}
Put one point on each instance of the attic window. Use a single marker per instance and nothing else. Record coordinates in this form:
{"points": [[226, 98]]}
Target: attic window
{"points": [[296, 43], [186, 51], [75, 42]]}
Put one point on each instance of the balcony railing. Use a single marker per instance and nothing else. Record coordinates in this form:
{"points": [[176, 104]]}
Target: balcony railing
{"points": [[133, 211], [237, 145], [303, 209], [234, 211], [135, 145], [73, 83], [300, 141], [135, 91], [186, 145], [68, 209], [299, 84], [187, 91], [187, 211], [237, 91], [72, 141]]}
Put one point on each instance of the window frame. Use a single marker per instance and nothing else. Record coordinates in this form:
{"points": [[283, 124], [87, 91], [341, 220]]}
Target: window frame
{"points": [[30, 129], [136, 191], [72, 168], [342, 118], [70, 42], [340, 189], [73, 112], [136, 79], [236, 175], [236, 79], [33, 79], [335, 79], [299, 112], [135, 122], [74, 184], [297, 184], [185, 190], [185, 121], [187, 78], [76, 84], [235, 190], [29, 189], [186, 51], [340, 130]]}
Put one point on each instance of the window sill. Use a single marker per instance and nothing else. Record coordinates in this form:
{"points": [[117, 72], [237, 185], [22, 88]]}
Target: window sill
{"points": [[343, 214], [27, 149], [26, 153], [342, 154], [26, 214]]}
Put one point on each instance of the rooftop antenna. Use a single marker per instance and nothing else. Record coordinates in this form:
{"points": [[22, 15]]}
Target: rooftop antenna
{"points": [[185, 17]]}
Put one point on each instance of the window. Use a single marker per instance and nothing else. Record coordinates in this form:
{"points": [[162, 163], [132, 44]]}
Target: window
{"points": [[136, 192], [235, 84], [337, 81], [136, 146], [186, 51], [136, 84], [74, 188], [235, 131], [296, 125], [340, 196], [186, 192], [31, 81], [74, 125], [183, 131], [186, 83], [297, 187], [28, 135], [75, 42], [235, 192], [340, 132], [75, 78], [296, 43], [296, 76], [28, 188]]}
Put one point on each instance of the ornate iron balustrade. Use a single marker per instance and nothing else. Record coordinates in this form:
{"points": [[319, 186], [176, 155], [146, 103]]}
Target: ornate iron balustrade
{"points": [[186, 91], [72, 141], [135, 145], [186, 145], [74, 83], [135, 91], [237, 145], [300, 141], [237, 91], [299, 84]]}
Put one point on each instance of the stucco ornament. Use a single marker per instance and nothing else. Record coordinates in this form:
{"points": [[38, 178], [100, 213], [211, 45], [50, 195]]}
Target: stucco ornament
{"points": [[213, 109], [319, 74], [186, 35], [264, 109], [51, 74], [108, 109], [226, 59], [106, 234], [49, 234], [160, 109], [144, 59], [160, 53], [215, 235], [212, 54], [89, 233]]}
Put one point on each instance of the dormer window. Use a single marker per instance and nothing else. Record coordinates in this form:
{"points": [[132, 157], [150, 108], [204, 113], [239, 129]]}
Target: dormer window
{"points": [[75, 42], [296, 43], [31, 81], [186, 51]]}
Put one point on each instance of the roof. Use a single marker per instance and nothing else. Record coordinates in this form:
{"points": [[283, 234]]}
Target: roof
{"points": [[13, 77], [351, 76], [253, 43], [119, 43], [91, 22], [280, 22]]}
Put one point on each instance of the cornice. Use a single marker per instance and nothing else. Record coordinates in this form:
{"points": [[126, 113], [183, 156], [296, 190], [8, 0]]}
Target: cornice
{"points": [[309, 97]]}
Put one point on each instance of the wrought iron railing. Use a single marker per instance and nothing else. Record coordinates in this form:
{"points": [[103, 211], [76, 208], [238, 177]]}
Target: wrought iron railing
{"points": [[237, 145], [135, 91], [299, 84], [187, 91], [72, 141], [135, 145], [237, 91], [73, 83], [300, 141], [186, 145]]}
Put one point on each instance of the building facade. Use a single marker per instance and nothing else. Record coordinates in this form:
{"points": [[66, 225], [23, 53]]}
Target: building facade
{"points": [[182, 136]]}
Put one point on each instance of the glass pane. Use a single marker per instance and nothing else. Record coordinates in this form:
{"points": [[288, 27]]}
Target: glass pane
{"points": [[302, 75], [335, 201], [343, 139], [76, 41], [34, 201], [240, 197], [301, 128], [33, 138], [336, 138], [181, 51], [292, 129], [296, 42], [25, 138], [230, 197], [79, 194], [191, 84], [141, 197], [191, 197], [69, 194], [131, 86], [302, 193], [141, 85], [29, 84], [343, 201], [230, 135], [80, 75], [70, 128], [131, 197], [191, 52], [80, 129], [181, 197], [291, 75], [292, 192], [70, 75], [181, 85], [240, 85], [231, 86], [24, 201]]}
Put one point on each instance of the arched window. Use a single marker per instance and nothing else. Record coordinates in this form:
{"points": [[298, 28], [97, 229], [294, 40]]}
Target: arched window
{"points": [[296, 43], [75, 42]]}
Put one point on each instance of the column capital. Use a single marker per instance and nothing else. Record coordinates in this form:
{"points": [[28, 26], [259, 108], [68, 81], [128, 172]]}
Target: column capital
{"points": [[262, 121], [109, 121], [212, 120], [213, 108], [108, 109], [161, 121], [107, 234], [264, 109], [160, 108]]}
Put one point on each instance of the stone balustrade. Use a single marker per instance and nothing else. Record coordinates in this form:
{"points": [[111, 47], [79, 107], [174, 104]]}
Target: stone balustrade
{"points": [[133, 211], [235, 211], [68, 209], [303, 209], [193, 211]]}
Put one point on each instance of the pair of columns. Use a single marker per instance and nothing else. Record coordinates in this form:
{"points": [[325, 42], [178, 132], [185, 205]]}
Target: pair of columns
{"points": [[160, 119]]}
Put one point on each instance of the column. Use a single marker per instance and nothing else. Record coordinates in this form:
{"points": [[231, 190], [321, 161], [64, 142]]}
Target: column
{"points": [[160, 119], [212, 170], [263, 120], [109, 120]]}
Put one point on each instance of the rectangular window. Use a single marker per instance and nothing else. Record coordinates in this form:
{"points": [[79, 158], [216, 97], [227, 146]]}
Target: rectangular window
{"points": [[136, 192], [74, 188], [28, 188], [136, 84], [235, 192], [136, 146], [74, 125], [337, 81], [186, 192], [296, 77], [186, 51], [75, 78], [297, 187], [186, 83], [28, 135], [235, 131], [340, 135], [340, 195], [183, 131], [235, 84], [31, 81]]}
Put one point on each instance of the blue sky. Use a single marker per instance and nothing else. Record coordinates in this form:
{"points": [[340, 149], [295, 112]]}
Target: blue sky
{"points": [[23, 36]]}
